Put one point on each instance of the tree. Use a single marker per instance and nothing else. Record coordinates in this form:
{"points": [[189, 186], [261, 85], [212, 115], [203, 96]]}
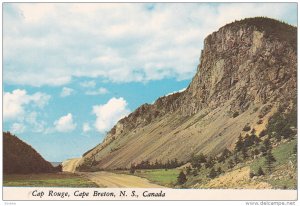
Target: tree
{"points": [[244, 153], [236, 159], [195, 172], [260, 172], [197, 160], [132, 169], [212, 174], [230, 164], [188, 170], [239, 144], [269, 161], [219, 171], [225, 154], [295, 149], [267, 144], [209, 162], [181, 179]]}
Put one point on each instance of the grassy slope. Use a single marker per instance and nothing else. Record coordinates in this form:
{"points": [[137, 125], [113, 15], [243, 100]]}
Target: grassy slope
{"points": [[284, 175], [47, 180], [285, 167], [167, 178]]}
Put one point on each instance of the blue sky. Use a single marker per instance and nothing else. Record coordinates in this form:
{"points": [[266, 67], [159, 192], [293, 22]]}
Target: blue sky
{"points": [[71, 71]]}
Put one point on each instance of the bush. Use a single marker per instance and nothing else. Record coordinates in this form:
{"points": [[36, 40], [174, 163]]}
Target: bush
{"points": [[212, 174], [260, 172], [259, 121], [251, 174], [263, 133], [235, 114], [181, 179], [246, 128]]}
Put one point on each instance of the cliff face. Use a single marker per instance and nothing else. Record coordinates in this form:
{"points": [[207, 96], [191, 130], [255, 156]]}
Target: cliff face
{"points": [[247, 69], [20, 158]]}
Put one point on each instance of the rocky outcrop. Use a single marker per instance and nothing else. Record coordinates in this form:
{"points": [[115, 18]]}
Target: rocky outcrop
{"points": [[244, 67]]}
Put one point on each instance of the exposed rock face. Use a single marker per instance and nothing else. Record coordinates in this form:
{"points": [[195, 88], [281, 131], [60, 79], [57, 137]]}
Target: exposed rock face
{"points": [[245, 67]]}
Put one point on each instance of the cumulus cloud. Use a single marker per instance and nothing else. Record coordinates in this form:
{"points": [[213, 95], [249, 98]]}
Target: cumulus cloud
{"points": [[88, 84], [115, 42], [99, 91], [17, 128], [15, 103], [65, 123], [107, 115], [86, 127], [66, 92]]}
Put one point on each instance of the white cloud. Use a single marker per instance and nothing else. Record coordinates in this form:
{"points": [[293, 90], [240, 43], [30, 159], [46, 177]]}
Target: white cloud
{"points": [[65, 123], [107, 115], [66, 92], [35, 125], [14, 103], [89, 84], [115, 42], [99, 91], [17, 128], [86, 127]]}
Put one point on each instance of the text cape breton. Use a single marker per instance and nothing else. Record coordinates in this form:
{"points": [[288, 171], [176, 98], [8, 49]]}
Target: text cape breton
{"points": [[83, 194]]}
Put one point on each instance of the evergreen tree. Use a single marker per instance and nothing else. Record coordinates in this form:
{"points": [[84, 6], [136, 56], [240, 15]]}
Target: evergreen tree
{"points": [[230, 164], [188, 170], [267, 144], [212, 174], [132, 169], [269, 161], [181, 179], [244, 153], [219, 171], [295, 149], [260, 172], [197, 160], [239, 144], [236, 159], [195, 172]]}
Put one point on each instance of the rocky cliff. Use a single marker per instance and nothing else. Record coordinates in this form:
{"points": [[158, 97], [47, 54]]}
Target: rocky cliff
{"points": [[247, 70]]}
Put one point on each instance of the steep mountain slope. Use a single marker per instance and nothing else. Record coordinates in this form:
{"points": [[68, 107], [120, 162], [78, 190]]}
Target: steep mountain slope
{"points": [[21, 158], [247, 70]]}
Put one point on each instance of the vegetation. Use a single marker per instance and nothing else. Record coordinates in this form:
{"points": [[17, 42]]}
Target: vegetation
{"points": [[181, 179], [47, 180], [269, 161], [21, 158], [170, 164], [163, 177]]}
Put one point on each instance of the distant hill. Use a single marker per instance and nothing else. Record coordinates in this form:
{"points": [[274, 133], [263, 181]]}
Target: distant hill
{"points": [[21, 158]]}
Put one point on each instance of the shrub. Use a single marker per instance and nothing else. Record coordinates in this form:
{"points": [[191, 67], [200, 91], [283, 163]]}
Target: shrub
{"points": [[260, 172], [263, 133], [181, 179], [235, 114], [259, 121], [246, 128]]}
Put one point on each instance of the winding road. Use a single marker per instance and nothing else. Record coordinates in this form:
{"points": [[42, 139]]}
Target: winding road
{"points": [[109, 179]]}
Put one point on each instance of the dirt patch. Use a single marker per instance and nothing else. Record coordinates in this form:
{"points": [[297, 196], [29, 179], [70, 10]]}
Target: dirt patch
{"points": [[70, 165], [238, 179], [112, 180]]}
